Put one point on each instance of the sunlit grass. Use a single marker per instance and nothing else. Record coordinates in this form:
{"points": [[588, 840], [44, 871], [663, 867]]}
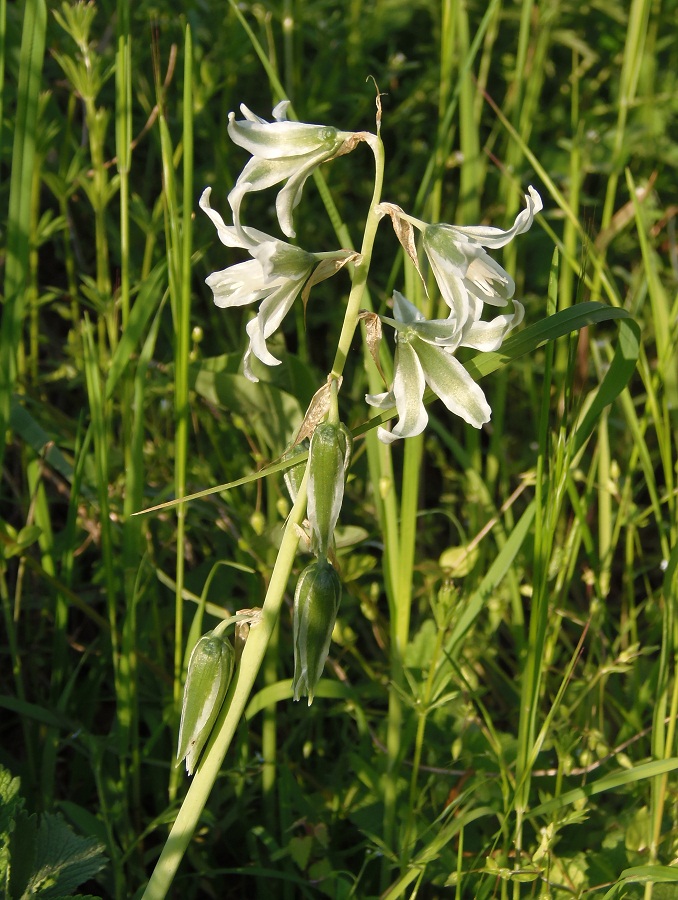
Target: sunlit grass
{"points": [[497, 718]]}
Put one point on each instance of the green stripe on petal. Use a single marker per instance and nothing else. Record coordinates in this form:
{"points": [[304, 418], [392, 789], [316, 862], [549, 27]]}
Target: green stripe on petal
{"points": [[408, 390], [451, 382]]}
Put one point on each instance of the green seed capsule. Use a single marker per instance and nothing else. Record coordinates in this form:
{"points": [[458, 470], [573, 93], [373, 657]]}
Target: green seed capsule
{"points": [[316, 603], [329, 458], [210, 670]]}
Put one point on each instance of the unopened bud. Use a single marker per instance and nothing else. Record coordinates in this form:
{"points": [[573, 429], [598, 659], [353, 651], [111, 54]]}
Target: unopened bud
{"points": [[329, 458], [316, 603], [210, 670]]}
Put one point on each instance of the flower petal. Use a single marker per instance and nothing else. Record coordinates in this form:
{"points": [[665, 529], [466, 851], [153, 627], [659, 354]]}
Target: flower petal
{"points": [[279, 139], [408, 390], [260, 174], [381, 401], [271, 313], [449, 268], [238, 285], [227, 233], [495, 237], [280, 111], [442, 332], [233, 235], [452, 383], [280, 260], [405, 311], [288, 198], [486, 279], [489, 336]]}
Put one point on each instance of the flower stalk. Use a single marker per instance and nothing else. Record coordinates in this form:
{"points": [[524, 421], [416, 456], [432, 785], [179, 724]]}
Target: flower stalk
{"points": [[362, 268], [232, 710]]}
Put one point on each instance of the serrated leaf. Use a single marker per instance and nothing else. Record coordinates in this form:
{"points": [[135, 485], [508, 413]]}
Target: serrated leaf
{"points": [[63, 860], [11, 804]]}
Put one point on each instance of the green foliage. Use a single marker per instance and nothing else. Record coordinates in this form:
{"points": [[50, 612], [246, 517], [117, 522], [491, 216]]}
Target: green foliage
{"points": [[41, 855], [497, 713]]}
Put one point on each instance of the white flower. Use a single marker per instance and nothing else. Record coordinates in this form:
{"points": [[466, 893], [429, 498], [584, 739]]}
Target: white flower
{"points": [[283, 151], [466, 274], [275, 276], [424, 355]]}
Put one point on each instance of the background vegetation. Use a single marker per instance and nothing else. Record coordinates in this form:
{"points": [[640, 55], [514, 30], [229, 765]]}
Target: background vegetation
{"points": [[536, 693]]}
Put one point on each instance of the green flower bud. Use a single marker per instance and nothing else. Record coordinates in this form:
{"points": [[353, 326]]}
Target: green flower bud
{"points": [[316, 603], [210, 670], [329, 457]]}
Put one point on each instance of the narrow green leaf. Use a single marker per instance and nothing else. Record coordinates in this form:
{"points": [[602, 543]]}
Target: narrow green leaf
{"points": [[607, 783]]}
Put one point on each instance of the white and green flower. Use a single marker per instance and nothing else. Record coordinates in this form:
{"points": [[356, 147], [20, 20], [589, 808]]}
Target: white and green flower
{"points": [[283, 151], [274, 278], [425, 355], [466, 274]]}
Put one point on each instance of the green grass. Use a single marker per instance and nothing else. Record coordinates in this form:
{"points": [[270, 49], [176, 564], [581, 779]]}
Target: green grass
{"points": [[497, 716]]}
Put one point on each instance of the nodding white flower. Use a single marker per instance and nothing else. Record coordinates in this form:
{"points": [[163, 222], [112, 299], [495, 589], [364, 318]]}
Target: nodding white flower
{"points": [[275, 276], [283, 151], [425, 355], [466, 274]]}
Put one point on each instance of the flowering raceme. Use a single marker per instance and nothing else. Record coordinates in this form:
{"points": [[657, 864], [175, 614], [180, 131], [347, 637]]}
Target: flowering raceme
{"points": [[283, 151], [275, 275]]}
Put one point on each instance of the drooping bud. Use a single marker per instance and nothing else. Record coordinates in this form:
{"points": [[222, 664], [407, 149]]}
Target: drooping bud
{"points": [[329, 458], [316, 603], [210, 670]]}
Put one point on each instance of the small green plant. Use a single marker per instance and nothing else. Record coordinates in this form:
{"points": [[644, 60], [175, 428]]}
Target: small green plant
{"points": [[41, 855]]}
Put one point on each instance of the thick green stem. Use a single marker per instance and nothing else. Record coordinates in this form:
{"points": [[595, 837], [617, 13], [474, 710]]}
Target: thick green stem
{"points": [[231, 714]]}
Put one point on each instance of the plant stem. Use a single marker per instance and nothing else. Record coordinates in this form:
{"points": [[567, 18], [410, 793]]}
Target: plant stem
{"points": [[363, 267], [231, 714]]}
